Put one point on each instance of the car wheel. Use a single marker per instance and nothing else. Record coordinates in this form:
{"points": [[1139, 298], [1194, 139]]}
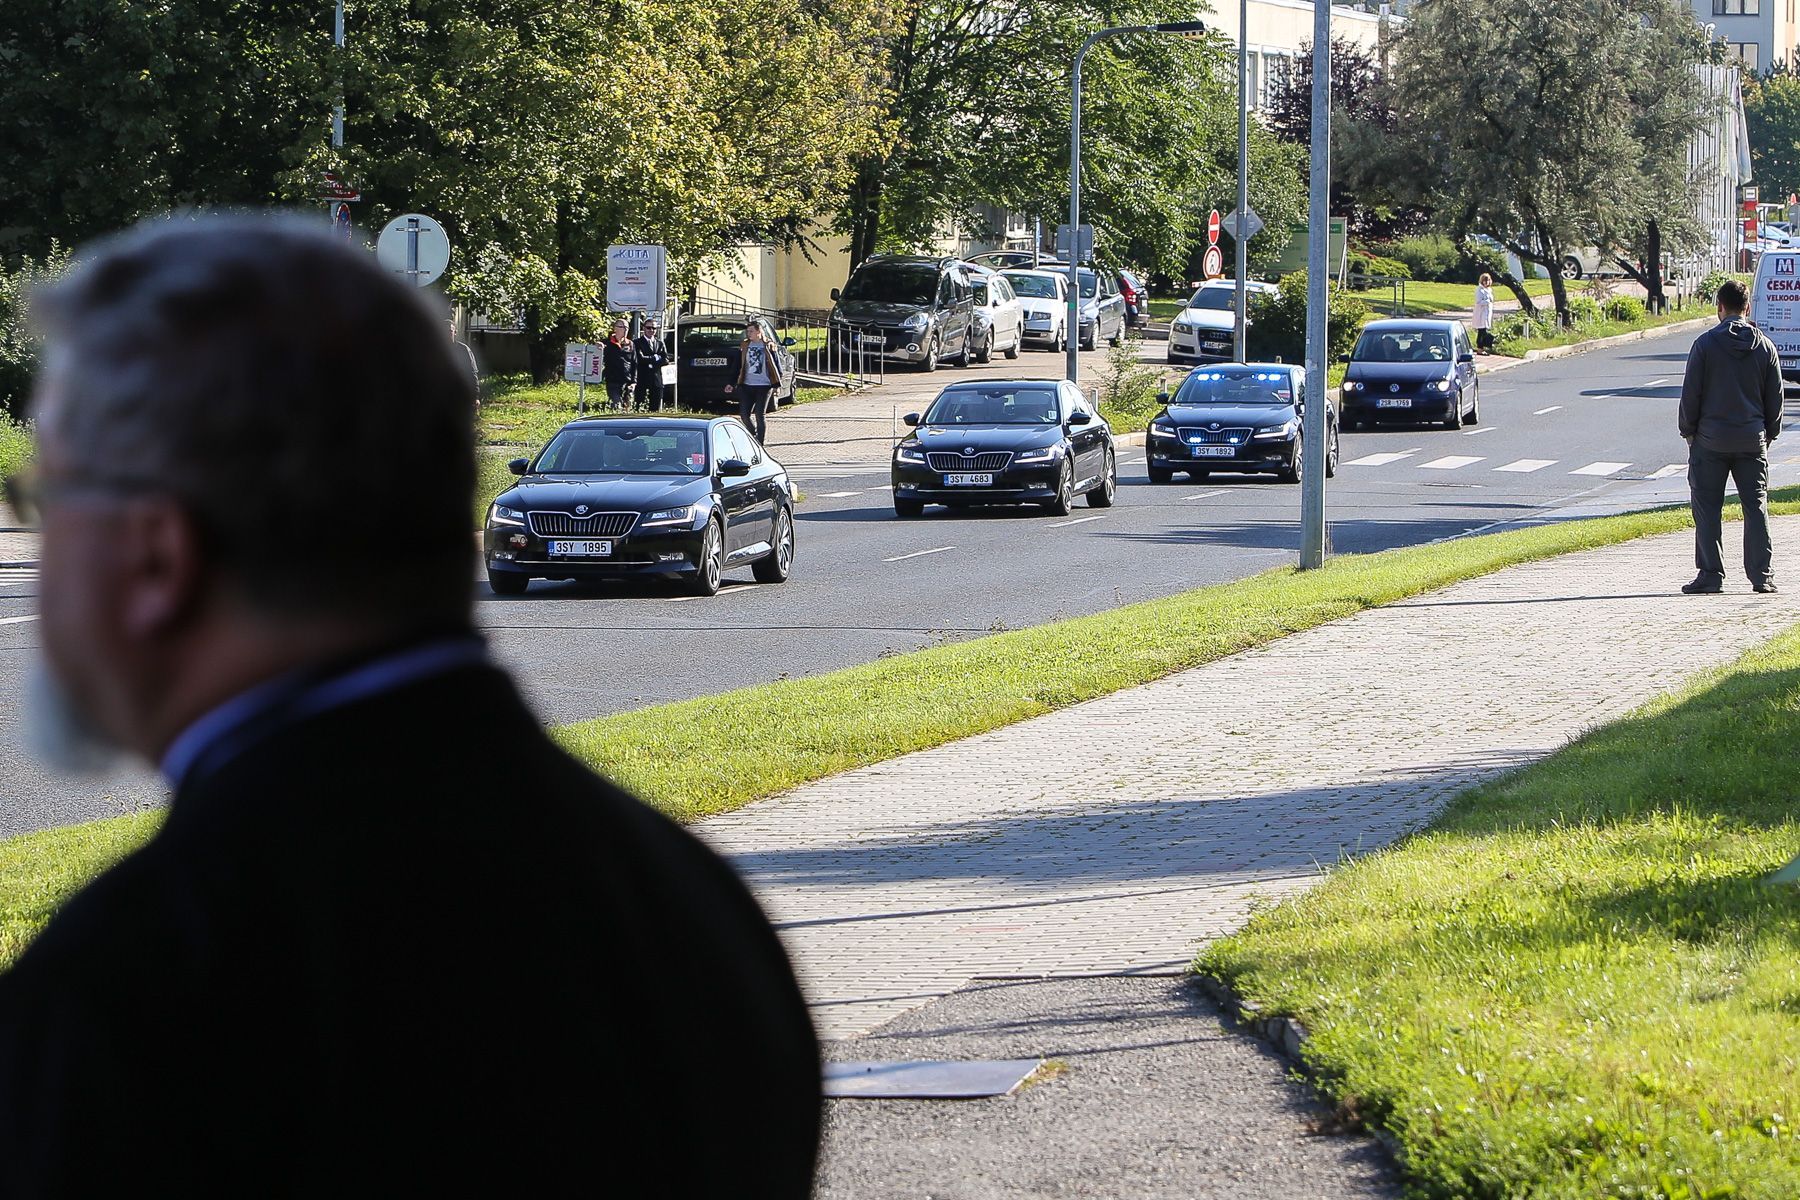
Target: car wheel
{"points": [[1118, 338], [506, 583], [1475, 406], [1091, 342], [710, 571], [1331, 454], [908, 508], [1456, 412], [1064, 504], [1291, 473], [1571, 267], [1018, 344], [987, 349], [1061, 344], [774, 566], [929, 363], [1102, 496], [1160, 474], [967, 355]]}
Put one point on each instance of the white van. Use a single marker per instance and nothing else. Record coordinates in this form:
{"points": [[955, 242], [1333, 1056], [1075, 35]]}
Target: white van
{"points": [[1775, 306]]}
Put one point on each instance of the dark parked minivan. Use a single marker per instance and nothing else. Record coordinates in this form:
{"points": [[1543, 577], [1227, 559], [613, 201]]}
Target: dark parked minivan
{"points": [[908, 308]]}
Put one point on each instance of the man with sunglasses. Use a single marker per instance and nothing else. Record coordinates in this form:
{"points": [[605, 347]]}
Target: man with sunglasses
{"points": [[388, 939]]}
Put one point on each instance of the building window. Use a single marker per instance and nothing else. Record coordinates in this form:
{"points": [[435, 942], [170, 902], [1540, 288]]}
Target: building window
{"points": [[1736, 8], [1749, 52]]}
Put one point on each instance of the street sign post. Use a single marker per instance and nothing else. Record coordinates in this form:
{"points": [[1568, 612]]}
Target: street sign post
{"points": [[1242, 224], [637, 279], [414, 246], [583, 363]]}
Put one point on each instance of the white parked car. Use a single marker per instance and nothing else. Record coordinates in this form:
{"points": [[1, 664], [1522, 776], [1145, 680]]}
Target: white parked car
{"points": [[1044, 299], [1202, 332], [999, 316]]}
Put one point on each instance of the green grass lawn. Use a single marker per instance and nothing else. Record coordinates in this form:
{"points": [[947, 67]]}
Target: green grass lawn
{"points": [[1429, 299], [1574, 984], [1518, 347]]}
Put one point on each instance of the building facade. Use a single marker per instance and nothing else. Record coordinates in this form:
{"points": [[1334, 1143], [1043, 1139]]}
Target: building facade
{"points": [[1762, 33]]}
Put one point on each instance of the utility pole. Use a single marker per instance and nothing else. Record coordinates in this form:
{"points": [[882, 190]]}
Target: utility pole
{"points": [[1315, 429], [1238, 239], [337, 114]]}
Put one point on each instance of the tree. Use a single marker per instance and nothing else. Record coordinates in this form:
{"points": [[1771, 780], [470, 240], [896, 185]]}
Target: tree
{"points": [[978, 105], [1549, 127], [1772, 119]]}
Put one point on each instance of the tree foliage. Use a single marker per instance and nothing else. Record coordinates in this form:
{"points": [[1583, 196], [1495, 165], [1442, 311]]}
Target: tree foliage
{"points": [[1772, 119], [978, 103], [1550, 127]]}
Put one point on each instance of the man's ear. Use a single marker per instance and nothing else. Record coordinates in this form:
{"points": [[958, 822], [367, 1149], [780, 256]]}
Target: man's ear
{"points": [[162, 565]]}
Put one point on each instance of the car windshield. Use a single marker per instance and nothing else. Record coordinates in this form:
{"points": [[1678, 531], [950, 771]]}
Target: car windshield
{"points": [[1402, 346], [893, 283], [625, 449], [995, 406], [1219, 298], [1236, 387], [711, 337], [1040, 286]]}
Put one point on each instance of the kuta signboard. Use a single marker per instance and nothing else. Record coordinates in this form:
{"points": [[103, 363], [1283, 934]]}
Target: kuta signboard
{"points": [[637, 279]]}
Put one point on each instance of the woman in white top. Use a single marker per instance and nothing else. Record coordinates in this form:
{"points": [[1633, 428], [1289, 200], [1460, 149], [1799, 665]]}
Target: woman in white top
{"points": [[758, 378], [1484, 314]]}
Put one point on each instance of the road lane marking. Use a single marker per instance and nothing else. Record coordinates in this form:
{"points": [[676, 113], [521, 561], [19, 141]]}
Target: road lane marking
{"points": [[1076, 521], [1383, 459], [1205, 495], [917, 554], [1450, 462], [1483, 429], [1671, 469], [17, 620], [1600, 468], [837, 495], [1526, 465], [1540, 412]]}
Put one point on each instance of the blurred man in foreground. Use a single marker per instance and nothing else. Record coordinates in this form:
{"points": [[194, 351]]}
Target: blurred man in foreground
{"points": [[389, 940]]}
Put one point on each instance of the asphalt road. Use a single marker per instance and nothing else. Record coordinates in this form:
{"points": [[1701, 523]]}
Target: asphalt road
{"points": [[1571, 437]]}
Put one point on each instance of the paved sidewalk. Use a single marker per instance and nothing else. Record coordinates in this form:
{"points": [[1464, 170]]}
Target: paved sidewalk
{"points": [[1111, 836]]}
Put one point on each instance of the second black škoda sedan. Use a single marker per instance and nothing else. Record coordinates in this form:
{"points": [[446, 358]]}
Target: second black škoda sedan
{"points": [[1235, 417], [614, 497], [1032, 441]]}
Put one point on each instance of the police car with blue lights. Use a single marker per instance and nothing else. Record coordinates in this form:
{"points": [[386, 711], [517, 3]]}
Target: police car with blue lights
{"points": [[1238, 417]]}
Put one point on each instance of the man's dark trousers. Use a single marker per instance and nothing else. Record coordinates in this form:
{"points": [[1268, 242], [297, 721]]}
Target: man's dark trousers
{"points": [[1708, 471]]}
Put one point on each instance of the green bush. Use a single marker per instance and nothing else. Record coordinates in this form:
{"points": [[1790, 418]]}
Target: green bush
{"points": [[1278, 323], [18, 345], [1625, 309], [1709, 286], [1584, 310], [15, 446], [1364, 267], [1429, 256]]}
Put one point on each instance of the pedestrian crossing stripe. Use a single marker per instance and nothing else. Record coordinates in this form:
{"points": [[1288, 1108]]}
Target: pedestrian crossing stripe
{"points": [[1601, 468], [1452, 462], [1380, 460], [1671, 469], [1526, 465]]}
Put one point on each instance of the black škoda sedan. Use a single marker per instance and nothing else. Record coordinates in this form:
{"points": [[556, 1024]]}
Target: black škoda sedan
{"points": [[1032, 441], [1240, 417], [618, 497]]}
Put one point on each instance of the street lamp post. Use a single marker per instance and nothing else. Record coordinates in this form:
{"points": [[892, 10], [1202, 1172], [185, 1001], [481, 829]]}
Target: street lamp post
{"points": [[1238, 239], [1315, 425], [337, 114], [1185, 29]]}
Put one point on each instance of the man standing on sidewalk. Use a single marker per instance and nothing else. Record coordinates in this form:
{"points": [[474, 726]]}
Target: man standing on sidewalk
{"points": [[1730, 412]]}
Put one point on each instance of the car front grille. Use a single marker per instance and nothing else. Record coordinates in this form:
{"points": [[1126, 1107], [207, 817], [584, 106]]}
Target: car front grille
{"points": [[1214, 437], [992, 461], [603, 524]]}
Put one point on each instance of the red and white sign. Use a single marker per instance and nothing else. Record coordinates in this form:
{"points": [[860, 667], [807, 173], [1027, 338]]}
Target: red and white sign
{"points": [[1212, 228], [333, 188], [1213, 265]]}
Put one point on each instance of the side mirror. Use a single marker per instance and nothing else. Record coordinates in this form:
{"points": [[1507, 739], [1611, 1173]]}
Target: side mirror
{"points": [[519, 466], [1465, 357], [910, 419], [835, 294], [731, 467], [1078, 417], [788, 341]]}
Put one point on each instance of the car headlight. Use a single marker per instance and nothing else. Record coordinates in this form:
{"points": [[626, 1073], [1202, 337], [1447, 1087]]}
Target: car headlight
{"points": [[499, 514], [1351, 385], [1444, 385], [1162, 428], [1041, 454], [671, 516], [1183, 327], [916, 321], [909, 454], [1284, 430]]}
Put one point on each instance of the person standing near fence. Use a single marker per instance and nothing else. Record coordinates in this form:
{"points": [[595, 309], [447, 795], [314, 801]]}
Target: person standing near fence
{"points": [[652, 356], [1483, 318], [618, 365], [758, 378]]}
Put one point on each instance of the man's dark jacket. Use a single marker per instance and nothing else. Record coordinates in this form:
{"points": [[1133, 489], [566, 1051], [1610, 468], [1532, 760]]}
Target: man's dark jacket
{"points": [[408, 947], [652, 357], [618, 361], [1731, 394]]}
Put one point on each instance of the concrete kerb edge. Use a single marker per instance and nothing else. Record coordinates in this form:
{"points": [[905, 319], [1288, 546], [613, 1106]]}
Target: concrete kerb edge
{"points": [[1287, 1037]]}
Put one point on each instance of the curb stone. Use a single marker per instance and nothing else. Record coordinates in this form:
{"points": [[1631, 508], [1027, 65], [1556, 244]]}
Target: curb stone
{"points": [[1287, 1037]]}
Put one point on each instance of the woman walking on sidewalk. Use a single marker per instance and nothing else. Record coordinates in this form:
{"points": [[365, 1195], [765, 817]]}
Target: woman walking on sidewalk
{"points": [[1483, 319], [759, 378]]}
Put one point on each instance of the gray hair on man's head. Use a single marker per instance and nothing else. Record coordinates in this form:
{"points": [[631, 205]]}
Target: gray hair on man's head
{"points": [[300, 402]]}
